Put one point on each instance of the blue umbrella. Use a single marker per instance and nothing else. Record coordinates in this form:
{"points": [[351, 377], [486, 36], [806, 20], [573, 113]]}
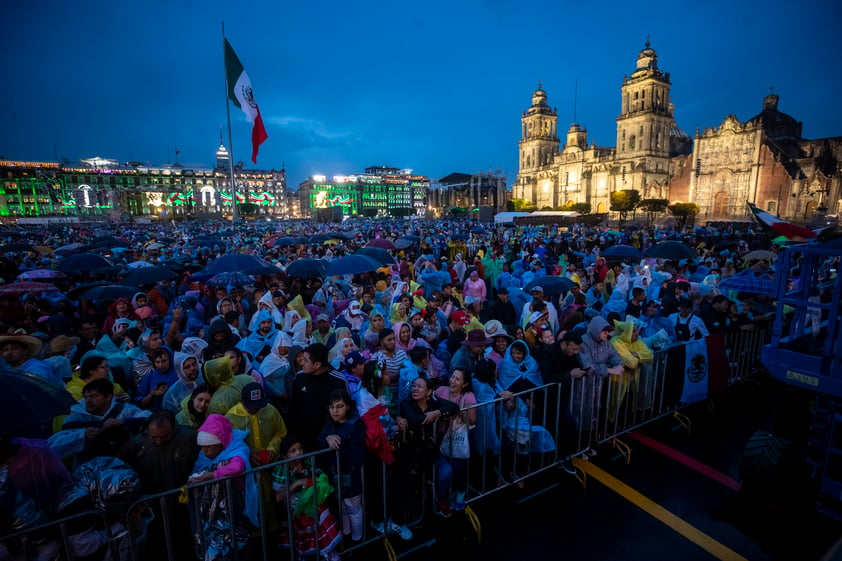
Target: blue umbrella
{"points": [[747, 281], [459, 236], [285, 241], [381, 255], [403, 243], [352, 265], [235, 278], [672, 250], [550, 284], [80, 262], [622, 252], [148, 275], [248, 264], [307, 268]]}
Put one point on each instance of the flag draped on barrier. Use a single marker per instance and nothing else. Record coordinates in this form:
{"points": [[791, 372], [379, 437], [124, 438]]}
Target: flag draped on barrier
{"points": [[695, 372]]}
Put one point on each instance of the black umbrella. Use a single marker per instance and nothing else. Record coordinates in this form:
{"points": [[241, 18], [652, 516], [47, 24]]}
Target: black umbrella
{"points": [[352, 265], [477, 230], [622, 252], [403, 243], [307, 268], [320, 238], [551, 284], [148, 275], [283, 242], [672, 250], [29, 400], [248, 264], [16, 248], [80, 262], [105, 292], [235, 278], [725, 244], [459, 236], [411, 237], [381, 255]]}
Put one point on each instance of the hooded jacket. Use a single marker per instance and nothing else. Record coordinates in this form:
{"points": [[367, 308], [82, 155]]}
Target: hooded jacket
{"points": [[623, 344], [594, 352], [510, 371], [183, 387], [256, 343], [227, 387]]}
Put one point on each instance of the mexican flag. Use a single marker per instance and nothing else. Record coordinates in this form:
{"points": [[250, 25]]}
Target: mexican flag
{"points": [[777, 227], [240, 92]]}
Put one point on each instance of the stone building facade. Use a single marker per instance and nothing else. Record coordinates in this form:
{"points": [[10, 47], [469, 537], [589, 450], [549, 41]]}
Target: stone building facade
{"points": [[764, 160]]}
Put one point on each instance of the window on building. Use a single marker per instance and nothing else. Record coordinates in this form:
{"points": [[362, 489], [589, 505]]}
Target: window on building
{"points": [[632, 142], [772, 207]]}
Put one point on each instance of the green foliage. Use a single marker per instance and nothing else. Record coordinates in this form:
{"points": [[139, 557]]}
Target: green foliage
{"points": [[653, 207], [546, 208], [684, 213], [401, 212], [247, 208], [581, 208], [624, 202], [521, 205]]}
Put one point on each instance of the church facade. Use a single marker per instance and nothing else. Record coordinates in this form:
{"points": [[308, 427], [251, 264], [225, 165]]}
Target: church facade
{"points": [[764, 160]]}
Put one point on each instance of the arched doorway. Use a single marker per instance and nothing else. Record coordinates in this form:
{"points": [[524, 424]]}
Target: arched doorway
{"points": [[600, 208], [720, 204], [810, 209]]}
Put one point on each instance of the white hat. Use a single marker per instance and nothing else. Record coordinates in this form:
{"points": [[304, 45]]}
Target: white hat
{"points": [[207, 439]]}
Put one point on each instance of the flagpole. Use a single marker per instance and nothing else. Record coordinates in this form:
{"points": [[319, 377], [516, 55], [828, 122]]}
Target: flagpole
{"points": [[230, 138]]}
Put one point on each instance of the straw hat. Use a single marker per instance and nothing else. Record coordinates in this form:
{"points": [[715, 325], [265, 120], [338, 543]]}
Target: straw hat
{"points": [[61, 344], [32, 344]]}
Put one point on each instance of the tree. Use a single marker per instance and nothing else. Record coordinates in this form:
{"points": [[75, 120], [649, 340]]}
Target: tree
{"points": [[522, 205], [402, 212], [581, 208], [624, 202], [684, 213], [653, 207], [247, 209]]}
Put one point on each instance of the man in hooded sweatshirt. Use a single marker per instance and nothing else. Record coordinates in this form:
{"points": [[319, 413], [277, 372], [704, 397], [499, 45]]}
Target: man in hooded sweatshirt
{"points": [[187, 370], [259, 343]]}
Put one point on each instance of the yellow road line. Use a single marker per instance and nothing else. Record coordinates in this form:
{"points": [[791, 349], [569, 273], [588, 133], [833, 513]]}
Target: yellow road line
{"points": [[660, 513]]}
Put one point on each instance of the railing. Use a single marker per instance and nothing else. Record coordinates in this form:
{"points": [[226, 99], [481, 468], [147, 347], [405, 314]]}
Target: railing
{"points": [[511, 441]]}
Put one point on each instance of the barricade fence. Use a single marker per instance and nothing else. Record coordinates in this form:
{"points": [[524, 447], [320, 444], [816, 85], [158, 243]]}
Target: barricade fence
{"points": [[304, 504]]}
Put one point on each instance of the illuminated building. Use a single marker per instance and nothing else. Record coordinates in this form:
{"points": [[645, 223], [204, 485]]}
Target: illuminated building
{"points": [[481, 193], [99, 188], [380, 191]]}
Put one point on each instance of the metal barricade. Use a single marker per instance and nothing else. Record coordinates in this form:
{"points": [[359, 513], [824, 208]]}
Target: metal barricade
{"points": [[73, 537]]}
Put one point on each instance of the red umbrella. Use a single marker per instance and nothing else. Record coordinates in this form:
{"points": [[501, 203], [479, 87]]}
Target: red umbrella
{"points": [[381, 243], [20, 288]]}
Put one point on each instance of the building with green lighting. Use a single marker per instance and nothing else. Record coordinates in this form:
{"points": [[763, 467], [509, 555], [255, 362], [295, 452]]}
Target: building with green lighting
{"points": [[380, 191], [99, 188]]}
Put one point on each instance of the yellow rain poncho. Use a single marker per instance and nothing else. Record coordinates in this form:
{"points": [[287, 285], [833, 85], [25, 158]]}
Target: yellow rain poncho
{"points": [[634, 352]]}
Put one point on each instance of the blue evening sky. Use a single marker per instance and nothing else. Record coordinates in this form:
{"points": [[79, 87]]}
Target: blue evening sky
{"points": [[433, 86]]}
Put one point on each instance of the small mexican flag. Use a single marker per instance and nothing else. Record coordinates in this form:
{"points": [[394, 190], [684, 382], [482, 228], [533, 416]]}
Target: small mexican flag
{"points": [[239, 91], [777, 227]]}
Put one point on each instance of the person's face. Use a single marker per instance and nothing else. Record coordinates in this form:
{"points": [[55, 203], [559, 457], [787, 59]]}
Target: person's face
{"points": [[14, 354], [155, 341], [368, 297], [190, 368], [405, 333], [547, 337], [265, 326], [377, 322], [721, 306], [517, 355], [651, 310], [604, 334], [416, 320], [141, 301], [100, 371], [212, 450], [234, 358], [338, 411], [295, 450], [307, 364], [598, 286], [734, 309], [161, 433], [201, 402], [122, 306], [162, 363], [220, 293], [420, 390], [503, 297], [323, 326], [570, 349], [519, 333], [347, 346], [96, 403], [88, 330], [225, 307], [501, 344], [357, 371], [388, 343], [684, 312], [278, 301], [457, 381]]}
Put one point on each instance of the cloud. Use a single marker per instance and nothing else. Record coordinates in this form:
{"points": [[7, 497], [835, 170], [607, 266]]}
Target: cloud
{"points": [[312, 131]]}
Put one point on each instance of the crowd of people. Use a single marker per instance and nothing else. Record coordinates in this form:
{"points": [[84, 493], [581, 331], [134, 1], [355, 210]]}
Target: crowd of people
{"points": [[191, 381]]}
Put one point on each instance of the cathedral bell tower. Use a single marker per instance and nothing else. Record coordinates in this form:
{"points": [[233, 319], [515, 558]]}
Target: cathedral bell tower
{"points": [[539, 133], [646, 117]]}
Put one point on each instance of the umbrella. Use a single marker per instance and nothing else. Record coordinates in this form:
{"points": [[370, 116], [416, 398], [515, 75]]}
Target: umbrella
{"points": [[307, 268], [343, 235], [148, 275], [622, 252], [672, 250], [551, 284], [154, 246], [42, 249], [403, 243], [69, 248], [351, 265], [104, 292], [16, 248], [381, 243], [477, 230], [411, 237], [459, 236], [139, 264], [319, 238], [79, 262], [760, 254], [282, 242], [109, 242], [29, 400], [747, 281], [230, 262], [42, 274], [21, 288], [234, 278], [381, 255]]}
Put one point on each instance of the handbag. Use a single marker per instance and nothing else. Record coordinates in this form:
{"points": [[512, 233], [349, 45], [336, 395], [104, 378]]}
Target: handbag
{"points": [[455, 442]]}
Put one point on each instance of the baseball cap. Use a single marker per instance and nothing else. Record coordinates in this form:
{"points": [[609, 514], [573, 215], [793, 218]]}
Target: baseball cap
{"points": [[460, 317], [253, 396], [353, 358], [537, 288], [322, 317]]}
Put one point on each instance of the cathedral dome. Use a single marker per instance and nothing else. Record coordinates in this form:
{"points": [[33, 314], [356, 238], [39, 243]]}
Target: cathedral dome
{"points": [[539, 98], [647, 59], [774, 122]]}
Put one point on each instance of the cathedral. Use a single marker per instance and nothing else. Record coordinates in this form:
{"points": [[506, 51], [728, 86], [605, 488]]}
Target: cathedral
{"points": [[764, 160]]}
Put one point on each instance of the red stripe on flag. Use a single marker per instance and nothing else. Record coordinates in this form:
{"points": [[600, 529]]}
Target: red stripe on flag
{"points": [[258, 136]]}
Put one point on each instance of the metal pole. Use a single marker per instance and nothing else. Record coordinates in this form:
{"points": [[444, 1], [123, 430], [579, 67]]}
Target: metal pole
{"points": [[230, 139]]}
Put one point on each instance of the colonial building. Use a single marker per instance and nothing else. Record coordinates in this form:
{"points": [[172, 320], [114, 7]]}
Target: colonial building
{"points": [[764, 160], [100, 188], [483, 193], [380, 191], [647, 142]]}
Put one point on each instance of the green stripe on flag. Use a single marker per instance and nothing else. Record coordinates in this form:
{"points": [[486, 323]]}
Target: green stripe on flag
{"points": [[233, 70]]}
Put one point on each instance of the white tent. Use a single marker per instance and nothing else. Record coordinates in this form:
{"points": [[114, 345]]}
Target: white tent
{"points": [[503, 217]]}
